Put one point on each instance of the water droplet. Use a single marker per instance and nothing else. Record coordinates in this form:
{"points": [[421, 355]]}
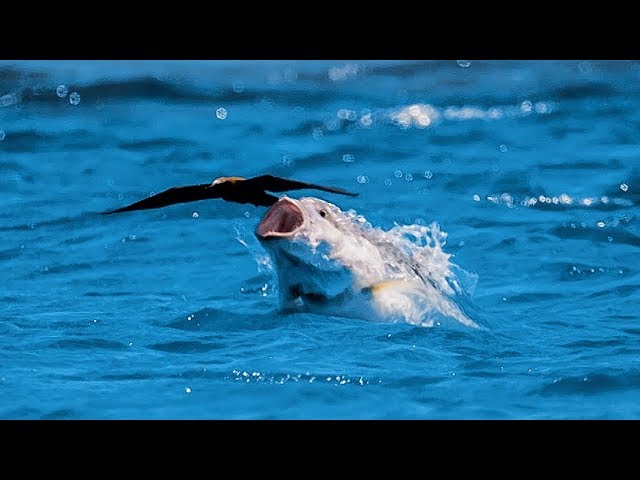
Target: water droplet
{"points": [[397, 174], [287, 160], [584, 379], [428, 174], [388, 335], [187, 389], [387, 182], [130, 344], [624, 187], [8, 99], [74, 98], [542, 108], [464, 63], [62, 91], [610, 239], [526, 106], [317, 133], [453, 374], [476, 198], [195, 215], [503, 148], [408, 177], [362, 179], [366, 120], [508, 199], [2, 135], [495, 168], [348, 158], [565, 199], [247, 214], [504, 299], [600, 224], [221, 113]]}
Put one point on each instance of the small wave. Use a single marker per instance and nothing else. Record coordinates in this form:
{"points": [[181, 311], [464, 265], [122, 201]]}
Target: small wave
{"points": [[580, 231], [591, 384], [31, 140], [88, 344], [155, 143], [186, 346]]}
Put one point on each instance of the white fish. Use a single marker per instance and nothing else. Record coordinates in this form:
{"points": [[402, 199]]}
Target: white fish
{"points": [[328, 260]]}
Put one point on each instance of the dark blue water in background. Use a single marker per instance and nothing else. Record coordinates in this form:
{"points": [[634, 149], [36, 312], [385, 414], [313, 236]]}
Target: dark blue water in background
{"points": [[532, 168]]}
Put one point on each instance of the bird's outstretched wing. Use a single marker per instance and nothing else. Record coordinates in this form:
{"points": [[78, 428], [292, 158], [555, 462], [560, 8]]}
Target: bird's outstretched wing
{"points": [[232, 189], [191, 193], [279, 184]]}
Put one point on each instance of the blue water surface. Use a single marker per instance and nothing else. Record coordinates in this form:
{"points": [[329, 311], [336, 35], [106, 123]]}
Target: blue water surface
{"points": [[531, 167]]}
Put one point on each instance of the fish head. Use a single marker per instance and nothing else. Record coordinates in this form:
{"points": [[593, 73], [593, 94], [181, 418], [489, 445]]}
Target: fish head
{"points": [[302, 237]]}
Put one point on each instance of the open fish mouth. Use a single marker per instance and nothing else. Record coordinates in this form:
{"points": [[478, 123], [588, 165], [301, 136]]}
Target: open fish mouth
{"points": [[282, 220]]}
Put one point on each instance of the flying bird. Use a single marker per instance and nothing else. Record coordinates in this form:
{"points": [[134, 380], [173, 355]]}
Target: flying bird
{"points": [[232, 189]]}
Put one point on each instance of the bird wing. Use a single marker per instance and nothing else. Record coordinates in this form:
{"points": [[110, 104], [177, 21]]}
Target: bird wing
{"points": [[231, 189], [279, 184], [191, 193]]}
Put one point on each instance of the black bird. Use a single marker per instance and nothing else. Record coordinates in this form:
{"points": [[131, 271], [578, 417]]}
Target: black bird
{"points": [[232, 189]]}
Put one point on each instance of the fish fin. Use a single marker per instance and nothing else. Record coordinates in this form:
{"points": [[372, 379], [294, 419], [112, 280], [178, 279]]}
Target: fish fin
{"points": [[381, 286]]}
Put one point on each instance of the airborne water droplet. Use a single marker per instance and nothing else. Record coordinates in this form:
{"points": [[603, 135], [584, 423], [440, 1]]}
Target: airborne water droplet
{"points": [[464, 63], [74, 98], [62, 91], [221, 113]]}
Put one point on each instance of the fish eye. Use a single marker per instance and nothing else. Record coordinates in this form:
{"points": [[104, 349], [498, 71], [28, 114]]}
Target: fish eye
{"points": [[322, 213]]}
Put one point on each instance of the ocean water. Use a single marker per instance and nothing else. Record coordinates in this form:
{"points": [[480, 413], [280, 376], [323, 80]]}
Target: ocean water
{"points": [[530, 167]]}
